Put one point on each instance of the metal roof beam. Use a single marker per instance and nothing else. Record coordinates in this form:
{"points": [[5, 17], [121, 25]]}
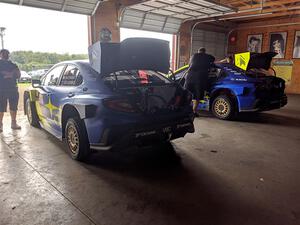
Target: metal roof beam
{"points": [[95, 8], [64, 5], [143, 20], [164, 25]]}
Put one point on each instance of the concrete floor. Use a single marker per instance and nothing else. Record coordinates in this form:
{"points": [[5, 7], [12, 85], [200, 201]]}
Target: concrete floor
{"points": [[233, 173]]}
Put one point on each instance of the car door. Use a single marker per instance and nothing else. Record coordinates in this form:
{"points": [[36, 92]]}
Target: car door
{"points": [[66, 90], [48, 99]]}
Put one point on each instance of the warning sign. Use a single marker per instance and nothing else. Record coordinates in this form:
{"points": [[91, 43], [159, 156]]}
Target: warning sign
{"points": [[241, 60]]}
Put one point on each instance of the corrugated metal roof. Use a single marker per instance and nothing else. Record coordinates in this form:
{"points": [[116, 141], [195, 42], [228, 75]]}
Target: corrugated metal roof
{"points": [[166, 16], [86, 7]]}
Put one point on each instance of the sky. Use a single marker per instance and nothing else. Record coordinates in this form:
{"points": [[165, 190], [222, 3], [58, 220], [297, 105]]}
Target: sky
{"points": [[43, 30]]}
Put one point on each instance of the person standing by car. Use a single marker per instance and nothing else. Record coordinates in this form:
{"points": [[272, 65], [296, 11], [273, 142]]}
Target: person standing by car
{"points": [[197, 77], [9, 73]]}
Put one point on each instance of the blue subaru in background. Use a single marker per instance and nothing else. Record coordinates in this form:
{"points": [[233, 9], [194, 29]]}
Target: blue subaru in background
{"points": [[233, 90], [119, 97]]}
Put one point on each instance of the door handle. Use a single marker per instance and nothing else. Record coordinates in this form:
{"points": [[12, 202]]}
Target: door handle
{"points": [[71, 94]]}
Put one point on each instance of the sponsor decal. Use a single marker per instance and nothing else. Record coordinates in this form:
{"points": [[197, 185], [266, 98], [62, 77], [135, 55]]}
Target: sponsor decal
{"points": [[143, 134], [183, 125], [167, 129]]}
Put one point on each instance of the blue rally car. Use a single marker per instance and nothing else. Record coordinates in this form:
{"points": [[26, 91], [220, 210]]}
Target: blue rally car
{"points": [[232, 90], [119, 98]]}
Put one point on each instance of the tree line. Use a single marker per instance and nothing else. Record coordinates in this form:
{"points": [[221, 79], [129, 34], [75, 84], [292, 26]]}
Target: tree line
{"points": [[29, 60]]}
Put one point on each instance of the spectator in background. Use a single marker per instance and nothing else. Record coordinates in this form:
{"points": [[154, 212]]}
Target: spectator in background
{"points": [[9, 73], [197, 77]]}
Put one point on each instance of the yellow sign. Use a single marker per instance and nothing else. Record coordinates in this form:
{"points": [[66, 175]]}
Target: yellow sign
{"points": [[241, 60], [285, 72], [283, 69]]}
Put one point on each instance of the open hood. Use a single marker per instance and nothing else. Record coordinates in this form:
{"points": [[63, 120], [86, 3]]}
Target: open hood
{"points": [[132, 53]]}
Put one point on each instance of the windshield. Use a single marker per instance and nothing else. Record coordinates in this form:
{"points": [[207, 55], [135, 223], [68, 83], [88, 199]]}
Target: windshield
{"points": [[133, 78]]}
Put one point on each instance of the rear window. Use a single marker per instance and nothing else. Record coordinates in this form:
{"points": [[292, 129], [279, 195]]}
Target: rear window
{"points": [[132, 78]]}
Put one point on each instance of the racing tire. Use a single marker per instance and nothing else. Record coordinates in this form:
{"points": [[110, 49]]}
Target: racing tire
{"points": [[31, 113], [223, 107], [77, 139]]}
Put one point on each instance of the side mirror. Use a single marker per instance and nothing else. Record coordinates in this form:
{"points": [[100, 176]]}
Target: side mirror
{"points": [[36, 83]]}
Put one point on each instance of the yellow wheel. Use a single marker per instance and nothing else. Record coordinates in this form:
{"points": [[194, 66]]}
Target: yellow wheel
{"points": [[77, 139], [223, 107]]}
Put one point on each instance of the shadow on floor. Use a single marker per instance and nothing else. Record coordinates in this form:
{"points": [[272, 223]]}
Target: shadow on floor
{"points": [[273, 117], [269, 118], [160, 157], [156, 179]]}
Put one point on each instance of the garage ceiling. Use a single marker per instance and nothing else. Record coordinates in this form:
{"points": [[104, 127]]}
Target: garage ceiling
{"points": [[86, 7], [167, 15]]}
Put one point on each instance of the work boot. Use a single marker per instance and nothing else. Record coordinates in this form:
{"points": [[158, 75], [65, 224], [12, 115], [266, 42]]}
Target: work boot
{"points": [[15, 126]]}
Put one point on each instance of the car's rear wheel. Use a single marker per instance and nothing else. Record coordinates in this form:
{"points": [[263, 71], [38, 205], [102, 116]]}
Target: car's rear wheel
{"points": [[223, 107], [31, 113], [77, 140]]}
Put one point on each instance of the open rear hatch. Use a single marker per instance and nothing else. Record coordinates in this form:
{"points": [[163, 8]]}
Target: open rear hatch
{"points": [[132, 69], [274, 86], [147, 91], [260, 60], [132, 53]]}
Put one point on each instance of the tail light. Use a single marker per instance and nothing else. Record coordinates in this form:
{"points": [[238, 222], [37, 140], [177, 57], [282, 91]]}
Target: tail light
{"points": [[121, 105]]}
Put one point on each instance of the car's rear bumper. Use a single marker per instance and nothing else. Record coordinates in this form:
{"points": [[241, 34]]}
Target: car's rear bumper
{"points": [[268, 104], [143, 134]]}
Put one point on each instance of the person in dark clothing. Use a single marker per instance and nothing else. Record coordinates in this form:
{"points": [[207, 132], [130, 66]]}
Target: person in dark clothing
{"points": [[197, 78], [9, 73]]}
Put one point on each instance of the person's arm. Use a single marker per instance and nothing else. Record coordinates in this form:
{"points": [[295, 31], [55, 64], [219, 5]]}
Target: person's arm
{"points": [[17, 73], [212, 58]]}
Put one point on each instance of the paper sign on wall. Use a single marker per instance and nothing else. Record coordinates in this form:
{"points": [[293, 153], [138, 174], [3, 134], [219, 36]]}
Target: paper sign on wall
{"points": [[284, 70]]}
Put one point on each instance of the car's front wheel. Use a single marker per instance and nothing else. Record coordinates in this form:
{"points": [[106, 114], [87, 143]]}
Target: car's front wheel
{"points": [[77, 140], [223, 107], [31, 113]]}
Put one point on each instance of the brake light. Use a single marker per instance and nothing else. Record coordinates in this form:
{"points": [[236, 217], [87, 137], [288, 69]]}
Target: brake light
{"points": [[121, 105]]}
